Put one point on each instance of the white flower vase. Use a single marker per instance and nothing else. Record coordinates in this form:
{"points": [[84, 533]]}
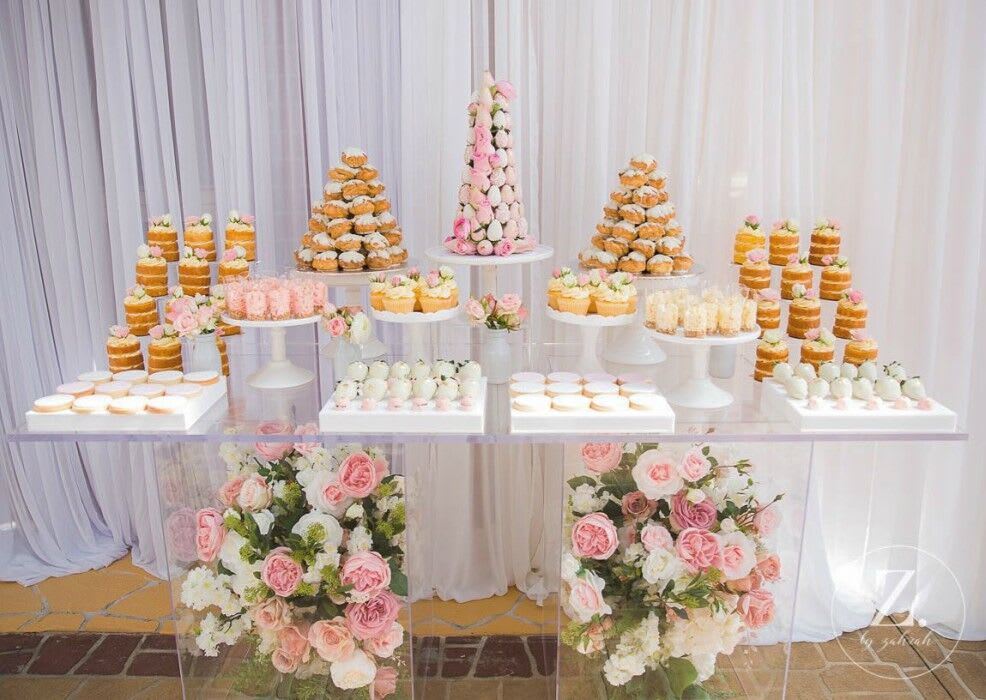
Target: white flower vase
{"points": [[202, 353], [345, 353], [496, 356]]}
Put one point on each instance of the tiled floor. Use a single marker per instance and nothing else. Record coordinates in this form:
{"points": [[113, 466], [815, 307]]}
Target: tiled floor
{"points": [[500, 648]]}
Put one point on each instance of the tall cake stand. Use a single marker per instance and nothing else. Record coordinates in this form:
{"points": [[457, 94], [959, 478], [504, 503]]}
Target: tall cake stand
{"points": [[417, 324], [591, 325], [280, 372], [698, 391], [352, 284], [632, 344], [488, 264]]}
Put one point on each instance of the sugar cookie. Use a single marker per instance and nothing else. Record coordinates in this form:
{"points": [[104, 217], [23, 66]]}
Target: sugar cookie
{"points": [[631, 378], [610, 402], [53, 403], [563, 388], [594, 388], [166, 377], [76, 389], [532, 403], [535, 377], [189, 391], [134, 376], [147, 390], [520, 388], [91, 403], [99, 376], [646, 402], [128, 404], [114, 389], [167, 404], [204, 378], [637, 388], [570, 402], [599, 377], [564, 378]]}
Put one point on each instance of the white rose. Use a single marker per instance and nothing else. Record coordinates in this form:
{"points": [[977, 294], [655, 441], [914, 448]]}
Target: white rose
{"points": [[569, 567], [355, 672], [233, 215], [315, 492], [264, 520], [661, 565], [586, 597], [231, 513], [333, 531], [727, 525]]}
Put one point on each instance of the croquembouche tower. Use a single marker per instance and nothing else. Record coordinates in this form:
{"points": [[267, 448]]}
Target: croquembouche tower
{"points": [[490, 217]]}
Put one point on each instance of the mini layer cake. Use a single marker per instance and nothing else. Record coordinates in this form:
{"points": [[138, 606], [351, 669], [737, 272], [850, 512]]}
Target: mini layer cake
{"points": [[784, 241], [749, 237], [194, 274], [123, 350], [140, 310], [818, 347], [152, 270], [234, 264], [198, 234], [850, 314], [825, 240], [770, 350], [836, 278], [161, 233], [164, 350], [755, 272], [240, 232], [860, 349], [768, 310], [797, 271], [804, 312]]}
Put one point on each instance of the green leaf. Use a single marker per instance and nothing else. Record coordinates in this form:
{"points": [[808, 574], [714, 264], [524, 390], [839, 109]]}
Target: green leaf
{"points": [[398, 580], [681, 674], [695, 692], [577, 481]]}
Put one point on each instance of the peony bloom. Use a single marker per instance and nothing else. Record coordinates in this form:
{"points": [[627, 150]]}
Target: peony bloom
{"points": [[654, 536], [209, 533], [656, 475], [385, 682], [601, 457], [386, 644], [366, 572], [506, 89], [272, 614], [694, 465], [255, 494], [374, 617], [331, 639], [757, 608], [280, 572], [273, 451], [686, 514], [356, 671], [594, 536], [699, 549], [360, 474]]}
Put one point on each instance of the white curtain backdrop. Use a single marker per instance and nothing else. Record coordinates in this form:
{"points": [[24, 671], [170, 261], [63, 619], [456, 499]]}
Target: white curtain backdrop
{"points": [[873, 113]]}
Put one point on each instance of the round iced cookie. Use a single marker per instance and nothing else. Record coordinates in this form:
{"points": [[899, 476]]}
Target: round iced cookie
{"points": [[563, 389], [99, 376], [189, 391], [638, 388], [532, 403], [166, 377], [518, 388], [570, 402], [535, 377], [134, 376], [564, 378], [203, 378], [645, 402], [114, 389], [147, 390], [128, 404], [167, 404], [593, 377], [53, 403], [91, 403], [76, 389], [595, 388], [610, 402]]}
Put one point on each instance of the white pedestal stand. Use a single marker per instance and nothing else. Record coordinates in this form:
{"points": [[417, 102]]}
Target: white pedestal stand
{"points": [[280, 372], [488, 264], [698, 391], [592, 325], [632, 345], [352, 284], [417, 326]]}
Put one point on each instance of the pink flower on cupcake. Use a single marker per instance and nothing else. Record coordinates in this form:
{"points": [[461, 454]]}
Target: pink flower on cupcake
{"points": [[685, 514], [373, 617], [360, 474], [273, 451], [156, 332], [656, 475], [280, 572], [757, 608], [594, 536], [331, 639], [210, 532], [699, 549], [366, 572], [601, 457]]}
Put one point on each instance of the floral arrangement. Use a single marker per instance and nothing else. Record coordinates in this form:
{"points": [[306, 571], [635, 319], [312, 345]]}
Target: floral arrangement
{"points": [[153, 252], [667, 565], [303, 558], [490, 218], [786, 225], [198, 220], [163, 221], [189, 315], [506, 312], [346, 322]]}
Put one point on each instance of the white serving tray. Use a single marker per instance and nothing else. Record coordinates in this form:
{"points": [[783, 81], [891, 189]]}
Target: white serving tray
{"points": [[382, 420], [827, 418], [589, 421], [104, 421]]}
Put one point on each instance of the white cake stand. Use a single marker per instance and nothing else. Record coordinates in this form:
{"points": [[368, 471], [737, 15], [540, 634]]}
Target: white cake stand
{"points": [[352, 284], [632, 345], [592, 325], [417, 324], [698, 391], [280, 372], [488, 263]]}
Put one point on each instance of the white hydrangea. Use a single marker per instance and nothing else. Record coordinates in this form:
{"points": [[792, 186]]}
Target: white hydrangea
{"points": [[202, 589], [399, 540], [703, 633], [360, 540], [661, 566], [213, 632], [237, 456], [705, 665], [619, 669], [584, 499]]}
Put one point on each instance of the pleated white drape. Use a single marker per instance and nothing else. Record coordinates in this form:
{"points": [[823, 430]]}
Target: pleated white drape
{"points": [[873, 113]]}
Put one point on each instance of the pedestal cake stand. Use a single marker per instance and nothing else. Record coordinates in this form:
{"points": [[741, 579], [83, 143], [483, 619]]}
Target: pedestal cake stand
{"points": [[592, 325], [417, 324], [280, 372]]}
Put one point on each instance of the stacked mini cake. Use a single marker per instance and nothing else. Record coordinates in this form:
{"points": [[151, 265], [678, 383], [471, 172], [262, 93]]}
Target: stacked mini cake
{"points": [[639, 232], [352, 228]]}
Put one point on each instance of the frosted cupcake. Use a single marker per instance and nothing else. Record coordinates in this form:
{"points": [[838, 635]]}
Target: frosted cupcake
{"points": [[378, 284], [555, 285], [399, 296], [434, 295], [574, 297]]}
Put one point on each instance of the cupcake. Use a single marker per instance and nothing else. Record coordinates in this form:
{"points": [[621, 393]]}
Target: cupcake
{"points": [[749, 237], [755, 272], [448, 279], [434, 295], [826, 238], [574, 296], [555, 285], [797, 271], [378, 284], [399, 296], [850, 314], [836, 278], [770, 350], [818, 347], [784, 241], [612, 300]]}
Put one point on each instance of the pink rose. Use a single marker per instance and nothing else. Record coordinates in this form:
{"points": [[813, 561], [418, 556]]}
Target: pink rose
{"points": [[586, 599], [374, 617], [757, 608], [510, 303], [273, 451], [504, 247], [336, 326], [769, 567], [385, 644], [484, 247], [601, 457], [766, 520], [461, 227], [752, 220], [359, 474], [656, 537], [827, 260], [229, 255], [185, 323], [685, 514], [366, 572], [209, 533], [699, 549], [385, 682], [180, 530], [636, 506], [306, 448], [272, 614], [812, 334], [594, 536], [695, 465], [156, 332], [284, 662], [280, 572], [748, 583], [255, 494], [738, 555], [506, 89], [465, 248], [331, 639], [292, 649], [757, 255], [155, 251], [656, 475], [230, 490], [475, 311], [769, 294], [855, 296]]}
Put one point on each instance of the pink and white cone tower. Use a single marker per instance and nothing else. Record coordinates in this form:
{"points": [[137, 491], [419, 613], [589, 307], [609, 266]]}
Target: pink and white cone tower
{"points": [[490, 216]]}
